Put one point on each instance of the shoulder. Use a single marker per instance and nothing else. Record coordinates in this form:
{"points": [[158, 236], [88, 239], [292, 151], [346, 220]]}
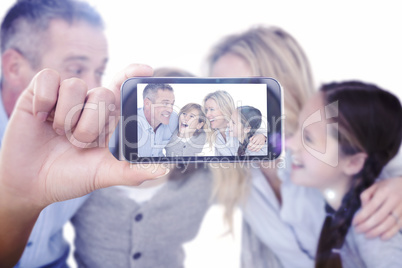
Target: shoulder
{"points": [[375, 252]]}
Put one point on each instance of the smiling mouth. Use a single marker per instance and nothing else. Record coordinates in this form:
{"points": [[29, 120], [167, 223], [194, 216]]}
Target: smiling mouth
{"points": [[166, 115], [296, 164], [184, 125]]}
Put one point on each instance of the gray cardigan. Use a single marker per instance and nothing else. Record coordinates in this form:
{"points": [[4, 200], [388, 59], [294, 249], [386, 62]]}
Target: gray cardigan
{"points": [[114, 231], [176, 147]]}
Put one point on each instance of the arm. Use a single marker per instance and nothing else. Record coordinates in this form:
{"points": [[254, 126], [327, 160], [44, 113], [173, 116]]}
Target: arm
{"points": [[46, 139], [257, 141], [381, 213]]}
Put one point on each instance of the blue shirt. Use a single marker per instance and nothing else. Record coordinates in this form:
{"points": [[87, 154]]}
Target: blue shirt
{"points": [[226, 147], [287, 230], [151, 143], [46, 244]]}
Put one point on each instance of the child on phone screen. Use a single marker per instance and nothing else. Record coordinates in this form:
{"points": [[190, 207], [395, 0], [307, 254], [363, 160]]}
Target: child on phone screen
{"points": [[243, 124], [189, 138], [347, 133]]}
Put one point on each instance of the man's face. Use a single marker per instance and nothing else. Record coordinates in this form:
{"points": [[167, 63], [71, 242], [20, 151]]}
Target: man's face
{"points": [[78, 50], [162, 107]]}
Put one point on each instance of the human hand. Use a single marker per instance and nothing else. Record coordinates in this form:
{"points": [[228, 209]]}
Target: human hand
{"points": [[257, 141], [381, 213], [55, 147]]}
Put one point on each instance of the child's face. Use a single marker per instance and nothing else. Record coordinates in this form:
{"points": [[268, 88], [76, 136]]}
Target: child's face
{"points": [[235, 126], [188, 122], [315, 156]]}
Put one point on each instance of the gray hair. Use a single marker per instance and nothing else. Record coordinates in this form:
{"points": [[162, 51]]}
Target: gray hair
{"points": [[151, 90], [25, 24]]}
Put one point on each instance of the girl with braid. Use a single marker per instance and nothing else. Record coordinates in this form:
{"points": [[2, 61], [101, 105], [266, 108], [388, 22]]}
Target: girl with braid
{"points": [[243, 124], [348, 132]]}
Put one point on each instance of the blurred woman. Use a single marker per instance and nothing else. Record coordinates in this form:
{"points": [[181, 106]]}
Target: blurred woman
{"points": [[274, 228]]}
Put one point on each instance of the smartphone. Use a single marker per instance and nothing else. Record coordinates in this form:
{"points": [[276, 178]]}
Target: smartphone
{"points": [[185, 120]]}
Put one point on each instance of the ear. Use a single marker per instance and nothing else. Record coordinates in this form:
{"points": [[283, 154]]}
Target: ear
{"points": [[17, 70], [354, 163], [147, 102]]}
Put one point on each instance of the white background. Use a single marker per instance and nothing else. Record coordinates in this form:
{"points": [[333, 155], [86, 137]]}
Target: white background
{"points": [[243, 94], [343, 40]]}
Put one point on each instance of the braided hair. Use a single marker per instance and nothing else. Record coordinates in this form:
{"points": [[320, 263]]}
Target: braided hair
{"points": [[369, 121], [250, 117]]}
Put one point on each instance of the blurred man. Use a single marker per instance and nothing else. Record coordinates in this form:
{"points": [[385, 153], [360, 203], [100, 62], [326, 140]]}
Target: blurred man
{"points": [[66, 36]]}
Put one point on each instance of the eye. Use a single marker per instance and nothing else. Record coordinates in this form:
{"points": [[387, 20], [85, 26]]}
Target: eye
{"points": [[184, 114], [75, 70], [307, 137], [99, 74], [192, 116]]}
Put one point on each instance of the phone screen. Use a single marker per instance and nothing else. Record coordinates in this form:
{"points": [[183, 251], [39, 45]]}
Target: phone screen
{"points": [[200, 120]]}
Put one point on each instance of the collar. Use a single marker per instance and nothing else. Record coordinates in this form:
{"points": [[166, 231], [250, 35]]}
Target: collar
{"points": [[141, 114]]}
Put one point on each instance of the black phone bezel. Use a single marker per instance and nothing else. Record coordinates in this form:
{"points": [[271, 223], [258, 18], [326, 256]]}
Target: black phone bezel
{"points": [[274, 93]]}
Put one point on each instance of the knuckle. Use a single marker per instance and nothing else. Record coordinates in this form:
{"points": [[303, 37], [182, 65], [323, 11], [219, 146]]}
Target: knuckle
{"points": [[45, 98], [86, 133], [102, 94], [74, 84], [48, 75]]}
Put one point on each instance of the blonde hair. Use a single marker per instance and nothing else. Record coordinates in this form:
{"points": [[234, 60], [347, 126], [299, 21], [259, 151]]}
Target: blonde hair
{"points": [[226, 106], [223, 100], [272, 52]]}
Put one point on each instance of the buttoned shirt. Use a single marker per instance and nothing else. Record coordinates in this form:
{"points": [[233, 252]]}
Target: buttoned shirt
{"points": [[151, 142]]}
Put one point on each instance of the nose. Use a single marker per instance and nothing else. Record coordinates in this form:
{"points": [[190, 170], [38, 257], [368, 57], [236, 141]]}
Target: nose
{"points": [[92, 80], [169, 108]]}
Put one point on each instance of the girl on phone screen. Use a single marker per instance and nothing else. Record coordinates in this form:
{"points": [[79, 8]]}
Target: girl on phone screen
{"points": [[243, 124], [189, 138]]}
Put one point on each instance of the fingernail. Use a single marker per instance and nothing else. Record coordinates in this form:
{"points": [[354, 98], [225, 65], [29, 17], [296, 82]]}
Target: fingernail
{"points": [[166, 172], [59, 131], [42, 116]]}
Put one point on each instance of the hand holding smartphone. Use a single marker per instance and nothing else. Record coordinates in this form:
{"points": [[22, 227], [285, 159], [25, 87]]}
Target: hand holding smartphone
{"points": [[178, 120]]}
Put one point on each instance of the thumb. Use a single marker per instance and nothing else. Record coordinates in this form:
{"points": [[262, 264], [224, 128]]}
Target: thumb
{"points": [[125, 173]]}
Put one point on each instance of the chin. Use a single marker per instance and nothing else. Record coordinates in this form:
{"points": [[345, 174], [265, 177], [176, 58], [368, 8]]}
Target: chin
{"points": [[298, 179], [165, 120]]}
